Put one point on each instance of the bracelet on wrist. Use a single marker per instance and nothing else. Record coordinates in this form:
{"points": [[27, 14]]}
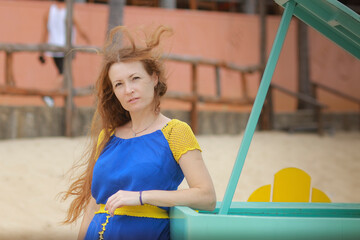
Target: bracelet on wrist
{"points": [[140, 198]]}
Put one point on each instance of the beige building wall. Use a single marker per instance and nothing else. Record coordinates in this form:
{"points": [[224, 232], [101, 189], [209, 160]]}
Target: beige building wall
{"points": [[214, 35]]}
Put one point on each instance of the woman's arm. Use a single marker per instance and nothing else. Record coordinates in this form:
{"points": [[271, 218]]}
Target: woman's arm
{"points": [[200, 195], [90, 210], [201, 192]]}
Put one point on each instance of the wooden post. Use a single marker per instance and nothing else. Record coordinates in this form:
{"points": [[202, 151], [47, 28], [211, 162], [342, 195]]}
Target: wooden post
{"points": [[270, 107], [170, 4], [250, 6], [194, 103], [244, 85], [262, 12], [67, 69], [314, 95], [319, 119], [265, 121], [193, 4], [317, 110], [9, 76], [218, 81], [303, 58], [116, 13]]}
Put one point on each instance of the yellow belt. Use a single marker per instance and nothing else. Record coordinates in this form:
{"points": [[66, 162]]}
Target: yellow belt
{"points": [[145, 210]]}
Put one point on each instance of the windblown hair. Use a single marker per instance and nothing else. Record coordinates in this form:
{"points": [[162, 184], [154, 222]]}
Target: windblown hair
{"points": [[109, 113]]}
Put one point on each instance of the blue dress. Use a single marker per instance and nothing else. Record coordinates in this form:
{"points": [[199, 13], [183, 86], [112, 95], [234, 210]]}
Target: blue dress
{"points": [[148, 162]]}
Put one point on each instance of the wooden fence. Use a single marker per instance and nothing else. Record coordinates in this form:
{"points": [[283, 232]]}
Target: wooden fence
{"points": [[69, 92], [318, 86]]}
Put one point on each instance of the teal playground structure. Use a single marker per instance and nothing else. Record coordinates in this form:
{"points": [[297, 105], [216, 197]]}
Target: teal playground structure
{"points": [[269, 220]]}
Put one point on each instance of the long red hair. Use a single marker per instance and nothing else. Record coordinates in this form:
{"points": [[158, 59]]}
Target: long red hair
{"points": [[109, 113]]}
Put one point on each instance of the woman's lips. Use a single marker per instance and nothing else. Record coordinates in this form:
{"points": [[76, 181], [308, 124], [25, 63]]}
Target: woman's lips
{"points": [[132, 100]]}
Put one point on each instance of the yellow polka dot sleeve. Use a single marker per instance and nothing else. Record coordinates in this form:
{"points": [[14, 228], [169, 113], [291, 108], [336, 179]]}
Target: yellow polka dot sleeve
{"points": [[180, 137]]}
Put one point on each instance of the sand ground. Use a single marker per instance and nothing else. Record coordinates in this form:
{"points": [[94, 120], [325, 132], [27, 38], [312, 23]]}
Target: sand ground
{"points": [[33, 172]]}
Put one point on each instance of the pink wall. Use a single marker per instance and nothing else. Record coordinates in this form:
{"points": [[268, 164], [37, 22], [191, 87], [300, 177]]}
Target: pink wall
{"points": [[334, 67], [223, 36]]}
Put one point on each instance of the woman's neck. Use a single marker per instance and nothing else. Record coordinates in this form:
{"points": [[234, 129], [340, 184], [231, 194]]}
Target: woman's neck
{"points": [[142, 121]]}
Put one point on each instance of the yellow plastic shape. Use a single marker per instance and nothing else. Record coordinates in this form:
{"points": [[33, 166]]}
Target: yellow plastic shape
{"points": [[319, 196], [262, 194], [290, 185]]}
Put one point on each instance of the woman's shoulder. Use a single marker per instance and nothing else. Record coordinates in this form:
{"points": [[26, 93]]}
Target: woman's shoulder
{"points": [[102, 134], [176, 128], [180, 137], [175, 124]]}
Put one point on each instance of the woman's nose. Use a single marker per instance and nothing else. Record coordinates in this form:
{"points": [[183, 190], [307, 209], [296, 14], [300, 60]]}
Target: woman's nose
{"points": [[128, 88]]}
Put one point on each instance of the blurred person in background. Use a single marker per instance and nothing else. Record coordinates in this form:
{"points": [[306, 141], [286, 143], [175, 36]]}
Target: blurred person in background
{"points": [[54, 33]]}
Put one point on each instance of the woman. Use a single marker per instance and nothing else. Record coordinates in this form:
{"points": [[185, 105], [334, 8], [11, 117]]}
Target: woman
{"points": [[141, 156]]}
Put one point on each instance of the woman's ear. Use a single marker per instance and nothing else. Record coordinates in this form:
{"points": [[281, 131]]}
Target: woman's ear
{"points": [[155, 78]]}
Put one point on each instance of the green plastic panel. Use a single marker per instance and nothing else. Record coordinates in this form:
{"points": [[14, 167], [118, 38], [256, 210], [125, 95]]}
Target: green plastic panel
{"points": [[250, 220], [331, 18], [258, 104], [293, 221]]}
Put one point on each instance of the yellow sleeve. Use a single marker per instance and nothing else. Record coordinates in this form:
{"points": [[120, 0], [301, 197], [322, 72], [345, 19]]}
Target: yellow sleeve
{"points": [[181, 138], [99, 140]]}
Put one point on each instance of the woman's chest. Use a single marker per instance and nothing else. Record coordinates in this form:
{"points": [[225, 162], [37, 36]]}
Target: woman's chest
{"points": [[130, 163]]}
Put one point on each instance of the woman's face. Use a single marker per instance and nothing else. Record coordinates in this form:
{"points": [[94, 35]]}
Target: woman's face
{"points": [[132, 85]]}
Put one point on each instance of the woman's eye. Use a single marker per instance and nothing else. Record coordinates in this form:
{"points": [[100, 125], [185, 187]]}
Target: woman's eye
{"points": [[135, 78], [118, 84]]}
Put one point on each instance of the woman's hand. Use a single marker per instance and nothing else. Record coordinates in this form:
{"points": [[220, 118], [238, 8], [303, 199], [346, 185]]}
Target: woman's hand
{"points": [[120, 199]]}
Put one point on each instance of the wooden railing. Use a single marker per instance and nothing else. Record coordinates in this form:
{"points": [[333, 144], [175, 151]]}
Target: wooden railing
{"points": [[10, 87], [194, 98], [69, 92], [312, 100], [318, 107], [316, 86]]}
